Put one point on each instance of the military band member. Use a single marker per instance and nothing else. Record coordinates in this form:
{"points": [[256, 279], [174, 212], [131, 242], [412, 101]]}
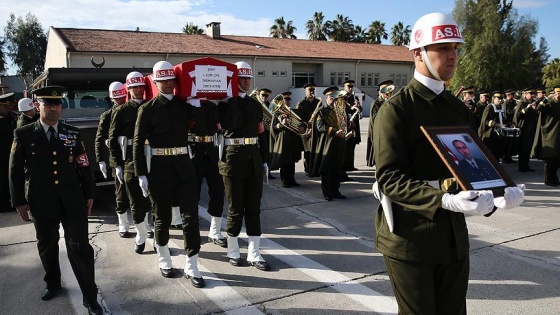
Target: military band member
{"points": [[61, 191], [525, 118], [384, 91], [121, 133], [305, 109], [547, 139], [264, 97], [205, 125], [170, 179], [287, 144], [491, 123], [242, 165], [330, 149], [117, 93], [510, 142], [480, 106], [354, 109], [28, 112], [8, 121], [426, 251]]}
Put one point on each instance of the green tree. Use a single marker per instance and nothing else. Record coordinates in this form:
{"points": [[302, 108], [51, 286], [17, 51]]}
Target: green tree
{"points": [[551, 73], [316, 28], [26, 43], [499, 51], [2, 58], [400, 35], [376, 31], [192, 29], [341, 29], [359, 35], [281, 29]]}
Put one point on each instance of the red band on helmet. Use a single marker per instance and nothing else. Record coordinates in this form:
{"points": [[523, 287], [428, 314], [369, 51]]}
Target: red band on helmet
{"points": [[245, 71], [441, 32], [135, 80], [118, 93], [164, 73]]}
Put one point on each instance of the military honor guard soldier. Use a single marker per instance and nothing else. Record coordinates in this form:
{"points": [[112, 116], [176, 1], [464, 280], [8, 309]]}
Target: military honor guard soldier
{"points": [[61, 191], [167, 173], [121, 133], [426, 251], [243, 165], [28, 112], [384, 91], [117, 94]]}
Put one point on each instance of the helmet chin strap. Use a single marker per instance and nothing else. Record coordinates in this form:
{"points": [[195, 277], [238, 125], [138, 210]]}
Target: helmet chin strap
{"points": [[241, 90], [429, 64]]}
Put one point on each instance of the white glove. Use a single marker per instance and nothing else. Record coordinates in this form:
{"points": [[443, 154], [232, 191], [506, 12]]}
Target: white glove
{"points": [[107, 143], [195, 102], [143, 181], [512, 198], [375, 189], [265, 170], [103, 169], [120, 174], [479, 202]]}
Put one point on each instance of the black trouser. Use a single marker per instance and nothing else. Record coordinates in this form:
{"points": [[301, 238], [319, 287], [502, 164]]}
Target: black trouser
{"points": [[244, 201], [172, 191], [121, 197], [330, 182], [287, 173], [306, 158], [525, 144], [550, 170], [139, 204], [429, 288], [205, 168], [80, 252], [349, 154]]}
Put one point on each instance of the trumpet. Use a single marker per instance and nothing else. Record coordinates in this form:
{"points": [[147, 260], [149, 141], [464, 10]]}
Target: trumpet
{"points": [[267, 115], [293, 121]]}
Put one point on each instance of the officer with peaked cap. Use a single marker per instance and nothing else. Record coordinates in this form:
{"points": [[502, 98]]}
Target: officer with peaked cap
{"points": [[384, 91], [426, 248], [354, 111], [61, 191], [510, 142], [8, 121], [330, 148], [305, 108], [525, 118], [491, 124]]}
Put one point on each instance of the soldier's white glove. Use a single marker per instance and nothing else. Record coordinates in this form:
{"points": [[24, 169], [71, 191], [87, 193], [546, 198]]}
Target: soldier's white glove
{"points": [[195, 102], [120, 174], [375, 189], [479, 202], [265, 170], [143, 181], [103, 169], [107, 143], [512, 198]]}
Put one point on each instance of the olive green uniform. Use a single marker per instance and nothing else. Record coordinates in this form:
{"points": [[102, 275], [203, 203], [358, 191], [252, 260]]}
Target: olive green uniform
{"points": [[354, 126], [7, 126], [304, 109], [60, 181], [101, 154], [286, 151], [25, 120], [329, 152], [242, 165], [547, 141], [374, 109], [123, 123], [490, 130], [427, 254], [526, 119], [171, 180], [205, 156], [510, 142]]}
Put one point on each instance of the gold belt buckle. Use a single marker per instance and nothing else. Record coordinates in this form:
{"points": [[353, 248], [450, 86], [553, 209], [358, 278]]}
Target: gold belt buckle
{"points": [[159, 152], [179, 151], [236, 141]]}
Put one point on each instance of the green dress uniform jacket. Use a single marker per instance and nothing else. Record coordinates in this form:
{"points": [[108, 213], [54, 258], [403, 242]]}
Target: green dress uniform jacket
{"points": [[304, 109], [405, 160], [490, 131], [63, 171], [102, 134], [25, 120], [287, 145], [547, 137], [526, 119], [7, 126], [374, 109]]}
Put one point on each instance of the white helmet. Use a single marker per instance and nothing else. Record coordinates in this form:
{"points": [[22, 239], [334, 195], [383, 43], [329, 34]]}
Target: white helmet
{"points": [[25, 104], [117, 90], [134, 78], [244, 70], [435, 28], [163, 70]]}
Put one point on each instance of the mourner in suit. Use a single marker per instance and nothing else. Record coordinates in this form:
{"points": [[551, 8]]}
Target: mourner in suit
{"points": [[426, 251], [117, 94], [121, 133], [168, 175], [242, 165], [61, 191]]}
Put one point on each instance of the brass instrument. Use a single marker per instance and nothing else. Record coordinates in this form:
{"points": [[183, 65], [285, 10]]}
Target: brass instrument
{"points": [[340, 111], [307, 133], [293, 121], [267, 115]]}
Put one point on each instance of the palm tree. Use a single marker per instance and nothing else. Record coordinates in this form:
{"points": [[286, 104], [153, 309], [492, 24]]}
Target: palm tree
{"points": [[342, 29], [551, 72], [316, 30], [192, 29], [359, 35], [281, 29], [376, 32], [400, 35]]}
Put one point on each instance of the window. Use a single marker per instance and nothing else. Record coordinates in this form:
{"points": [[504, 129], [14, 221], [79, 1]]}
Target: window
{"points": [[404, 79], [333, 78], [274, 73], [369, 79], [261, 73], [363, 77], [299, 79], [376, 79], [283, 73], [398, 80]]}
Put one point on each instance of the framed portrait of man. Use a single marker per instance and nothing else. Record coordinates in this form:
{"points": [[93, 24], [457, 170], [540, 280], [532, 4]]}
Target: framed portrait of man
{"points": [[469, 160]]}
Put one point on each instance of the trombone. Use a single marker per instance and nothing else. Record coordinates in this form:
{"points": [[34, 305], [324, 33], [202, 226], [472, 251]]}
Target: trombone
{"points": [[267, 115], [292, 120]]}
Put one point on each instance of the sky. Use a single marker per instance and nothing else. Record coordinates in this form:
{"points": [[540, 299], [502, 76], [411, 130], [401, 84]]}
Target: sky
{"points": [[251, 17]]}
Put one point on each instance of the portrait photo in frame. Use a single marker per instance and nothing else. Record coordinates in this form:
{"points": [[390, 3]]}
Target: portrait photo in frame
{"points": [[469, 160]]}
